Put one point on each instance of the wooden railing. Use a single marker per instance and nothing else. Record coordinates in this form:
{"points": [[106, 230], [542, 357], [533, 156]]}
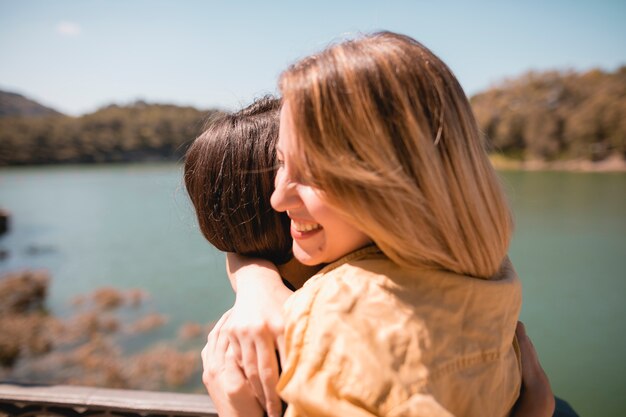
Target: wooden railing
{"points": [[70, 401]]}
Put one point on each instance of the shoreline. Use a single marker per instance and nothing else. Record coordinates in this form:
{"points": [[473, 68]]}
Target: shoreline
{"points": [[613, 164]]}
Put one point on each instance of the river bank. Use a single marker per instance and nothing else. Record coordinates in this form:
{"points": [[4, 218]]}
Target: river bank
{"points": [[614, 163]]}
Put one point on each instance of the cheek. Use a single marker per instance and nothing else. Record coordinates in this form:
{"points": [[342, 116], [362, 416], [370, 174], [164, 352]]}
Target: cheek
{"points": [[352, 238], [314, 204], [339, 232]]}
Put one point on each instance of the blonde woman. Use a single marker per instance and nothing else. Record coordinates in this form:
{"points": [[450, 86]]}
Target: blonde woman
{"points": [[385, 179]]}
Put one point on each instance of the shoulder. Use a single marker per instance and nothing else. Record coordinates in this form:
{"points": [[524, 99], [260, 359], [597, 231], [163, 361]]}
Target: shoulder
{"points": [[352, 334], [356, 286], [341, 283], [360, 312], [385, 335]]}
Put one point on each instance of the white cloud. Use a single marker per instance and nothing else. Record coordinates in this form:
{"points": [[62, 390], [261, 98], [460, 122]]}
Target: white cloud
{"points": [[68, 29]]}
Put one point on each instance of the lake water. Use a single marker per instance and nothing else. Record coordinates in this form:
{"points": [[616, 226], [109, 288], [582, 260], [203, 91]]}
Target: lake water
{"points": [[131, 226]]}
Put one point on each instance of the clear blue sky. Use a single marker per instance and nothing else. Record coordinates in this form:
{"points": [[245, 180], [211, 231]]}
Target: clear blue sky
{"points": [[77, 56]]}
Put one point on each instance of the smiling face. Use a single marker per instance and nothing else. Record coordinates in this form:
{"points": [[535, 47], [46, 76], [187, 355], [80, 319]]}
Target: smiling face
{"points": [[320, 233]]}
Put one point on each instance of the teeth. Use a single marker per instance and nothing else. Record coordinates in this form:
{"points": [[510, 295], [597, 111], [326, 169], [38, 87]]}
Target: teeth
{"points": [[305, 227]]}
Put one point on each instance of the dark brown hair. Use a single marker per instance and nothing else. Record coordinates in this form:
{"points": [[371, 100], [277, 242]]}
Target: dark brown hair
{"points": [[229, 175]]}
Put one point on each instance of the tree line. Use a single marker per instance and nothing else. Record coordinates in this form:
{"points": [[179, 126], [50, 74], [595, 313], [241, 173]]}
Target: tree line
{"points": [[138, 132], [540, 115], [556, 115]]}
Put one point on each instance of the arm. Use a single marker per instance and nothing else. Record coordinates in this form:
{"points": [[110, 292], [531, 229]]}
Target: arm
{"points": [[252, 272], [255, 326]]}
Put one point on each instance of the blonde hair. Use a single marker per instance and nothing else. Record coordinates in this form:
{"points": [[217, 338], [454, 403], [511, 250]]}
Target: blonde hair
{"points": [[384, 130]]}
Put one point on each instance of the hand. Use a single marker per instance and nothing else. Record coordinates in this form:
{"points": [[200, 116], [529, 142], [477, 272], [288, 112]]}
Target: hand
{"points": [[224, 380], [255, 327], [536, 397]]}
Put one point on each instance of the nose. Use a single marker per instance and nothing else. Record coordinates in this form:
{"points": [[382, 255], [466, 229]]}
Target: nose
{"points": [[285, 196]]}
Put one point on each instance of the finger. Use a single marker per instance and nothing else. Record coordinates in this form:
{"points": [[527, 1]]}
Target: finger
{"points": [[251, 370], [530, 359], [533, 375], [220, 323], [213, 352], [280, 343], [234, 376], [536, 395], [268, 375], [216, 360], [231, 366], [236, 353], [522, 338], [214, 333], [221, 346]]}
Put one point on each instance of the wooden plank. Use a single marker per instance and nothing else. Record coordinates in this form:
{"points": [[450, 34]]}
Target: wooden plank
{"points": [[106, 398]]}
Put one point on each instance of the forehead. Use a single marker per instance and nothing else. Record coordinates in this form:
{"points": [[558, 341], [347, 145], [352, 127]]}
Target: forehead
{"points": [[286, 133]]}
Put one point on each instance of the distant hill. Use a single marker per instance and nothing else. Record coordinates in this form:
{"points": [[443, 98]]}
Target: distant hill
{"points": [[551, 117], [13, 104], [556, 116], [136, 132]]}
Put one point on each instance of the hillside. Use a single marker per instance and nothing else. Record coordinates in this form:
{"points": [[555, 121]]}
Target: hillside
{"points": [[138, 132], [556, 116], [13, 104], [563, 120]]}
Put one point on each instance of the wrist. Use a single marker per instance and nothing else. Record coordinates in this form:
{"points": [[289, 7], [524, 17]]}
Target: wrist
{"points": [[255, 276], [246, 270]]}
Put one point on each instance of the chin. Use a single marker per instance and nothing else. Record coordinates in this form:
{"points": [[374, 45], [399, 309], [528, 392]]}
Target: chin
{"points": [[306, 258], [308, 261]]}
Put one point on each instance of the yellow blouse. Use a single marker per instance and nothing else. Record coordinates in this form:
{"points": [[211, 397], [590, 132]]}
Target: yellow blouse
{"points": [[365, 337]]}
